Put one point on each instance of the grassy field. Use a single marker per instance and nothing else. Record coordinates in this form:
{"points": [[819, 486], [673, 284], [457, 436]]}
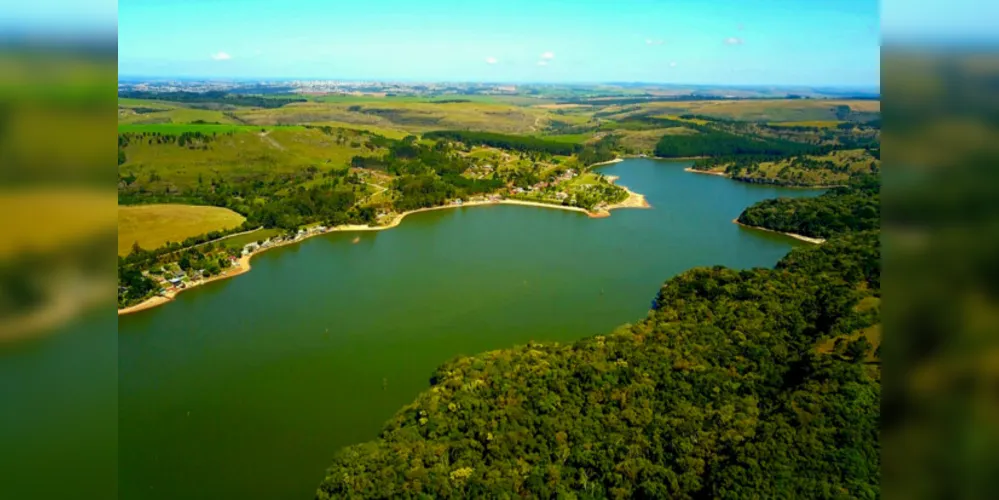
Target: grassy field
{"points": [[832, 169], [247, 153], [412, 116], [60, 217], [765, 110], [179, 128], [154, 225], [239, 241], [644, 141], [814, 123], [173, 116]]}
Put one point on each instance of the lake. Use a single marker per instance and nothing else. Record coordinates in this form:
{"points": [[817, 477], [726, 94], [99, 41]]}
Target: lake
{"points": [[247, 387]]}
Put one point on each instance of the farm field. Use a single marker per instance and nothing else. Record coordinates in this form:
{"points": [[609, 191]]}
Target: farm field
{"points": [[152, 226], [765, 110], [180, 128], [60, 218], [411, 116], [234, 152]]}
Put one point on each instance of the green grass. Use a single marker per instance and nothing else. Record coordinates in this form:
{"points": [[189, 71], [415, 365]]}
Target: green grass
{"points": [[152, 226], [145, 103], [644, 141], [765, 110], [391, 133], [405, 114], [851, 161], [587, 179], [813, 123], [175, 115], [245, 154], [179, 128], [239, 241]]}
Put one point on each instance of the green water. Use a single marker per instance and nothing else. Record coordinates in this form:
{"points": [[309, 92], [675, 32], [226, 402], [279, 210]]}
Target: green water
{"points": [[247, 387]]}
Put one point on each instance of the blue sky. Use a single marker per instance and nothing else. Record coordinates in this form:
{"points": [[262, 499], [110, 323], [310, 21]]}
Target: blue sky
{"points": [[747, 42]]}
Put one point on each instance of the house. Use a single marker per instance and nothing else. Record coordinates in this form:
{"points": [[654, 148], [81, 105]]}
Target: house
{"points": [[561, 195], [175, 281]]}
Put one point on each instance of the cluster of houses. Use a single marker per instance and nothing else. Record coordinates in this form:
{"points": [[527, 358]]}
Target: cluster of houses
{"points": [[249, 248], [561, 195]]}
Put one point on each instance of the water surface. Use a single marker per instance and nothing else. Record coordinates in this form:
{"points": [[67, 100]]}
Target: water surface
{"points": [[247, 387]]}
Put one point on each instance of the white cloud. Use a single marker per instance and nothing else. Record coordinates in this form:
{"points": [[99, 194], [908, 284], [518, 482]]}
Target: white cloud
{"points": [[672, 64], [491, 60], [221, 56], [542, 63], [733, 40], [548, 55], [650, 41]]}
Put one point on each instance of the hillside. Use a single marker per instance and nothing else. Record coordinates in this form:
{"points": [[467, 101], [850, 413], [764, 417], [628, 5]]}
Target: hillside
{"points": [[841, 210], [832, 168], [719, 392]]}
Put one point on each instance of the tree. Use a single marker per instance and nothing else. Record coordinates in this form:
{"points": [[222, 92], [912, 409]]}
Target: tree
{"points": [[857, 350]]}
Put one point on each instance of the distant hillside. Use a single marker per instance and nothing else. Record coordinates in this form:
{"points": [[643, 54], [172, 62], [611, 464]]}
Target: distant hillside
{"points": [[833, 168]]}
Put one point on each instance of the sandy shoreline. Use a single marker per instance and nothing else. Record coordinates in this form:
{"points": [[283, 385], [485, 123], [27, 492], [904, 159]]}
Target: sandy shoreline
{"points": [[719, 174], [608, 162], [634, 200], [808, 239]]}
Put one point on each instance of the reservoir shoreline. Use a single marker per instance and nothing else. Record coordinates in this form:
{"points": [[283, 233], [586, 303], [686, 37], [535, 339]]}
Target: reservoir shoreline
{"points": [[808, 239], [634, 200]]}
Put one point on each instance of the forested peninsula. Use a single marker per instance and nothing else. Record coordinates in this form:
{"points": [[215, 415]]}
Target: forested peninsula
{"points": [[759, 383]]}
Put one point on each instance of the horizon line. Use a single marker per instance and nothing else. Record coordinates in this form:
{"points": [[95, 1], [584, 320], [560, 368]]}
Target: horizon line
{"points": [[272, 79]]}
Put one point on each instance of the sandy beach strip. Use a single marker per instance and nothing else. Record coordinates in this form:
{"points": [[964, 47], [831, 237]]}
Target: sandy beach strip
{"points": [[720, 174], [808, 239]]}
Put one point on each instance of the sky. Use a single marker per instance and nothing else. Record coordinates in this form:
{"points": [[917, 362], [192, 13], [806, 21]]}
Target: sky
{"points": [[737, 42]]}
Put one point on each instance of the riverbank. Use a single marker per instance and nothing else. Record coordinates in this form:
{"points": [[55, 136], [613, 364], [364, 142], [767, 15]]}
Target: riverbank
{"points": [[608, 162], [808, 239], [788, 186], [634, 200], [719, 174]]}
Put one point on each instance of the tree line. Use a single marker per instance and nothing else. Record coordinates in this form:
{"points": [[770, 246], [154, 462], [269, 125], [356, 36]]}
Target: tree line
{"points": [[715, 143], [856, 207], [213, 96], [505, 141]]}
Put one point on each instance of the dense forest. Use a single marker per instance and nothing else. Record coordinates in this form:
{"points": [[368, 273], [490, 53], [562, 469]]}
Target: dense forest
{"points": [[715, 143], [719, 393], [853, 208], [505, 141], [213, 97]]}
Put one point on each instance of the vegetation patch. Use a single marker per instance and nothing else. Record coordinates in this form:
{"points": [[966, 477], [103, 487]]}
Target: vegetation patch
{"points": [[718, 393], [152, 226], [841, 210]]}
